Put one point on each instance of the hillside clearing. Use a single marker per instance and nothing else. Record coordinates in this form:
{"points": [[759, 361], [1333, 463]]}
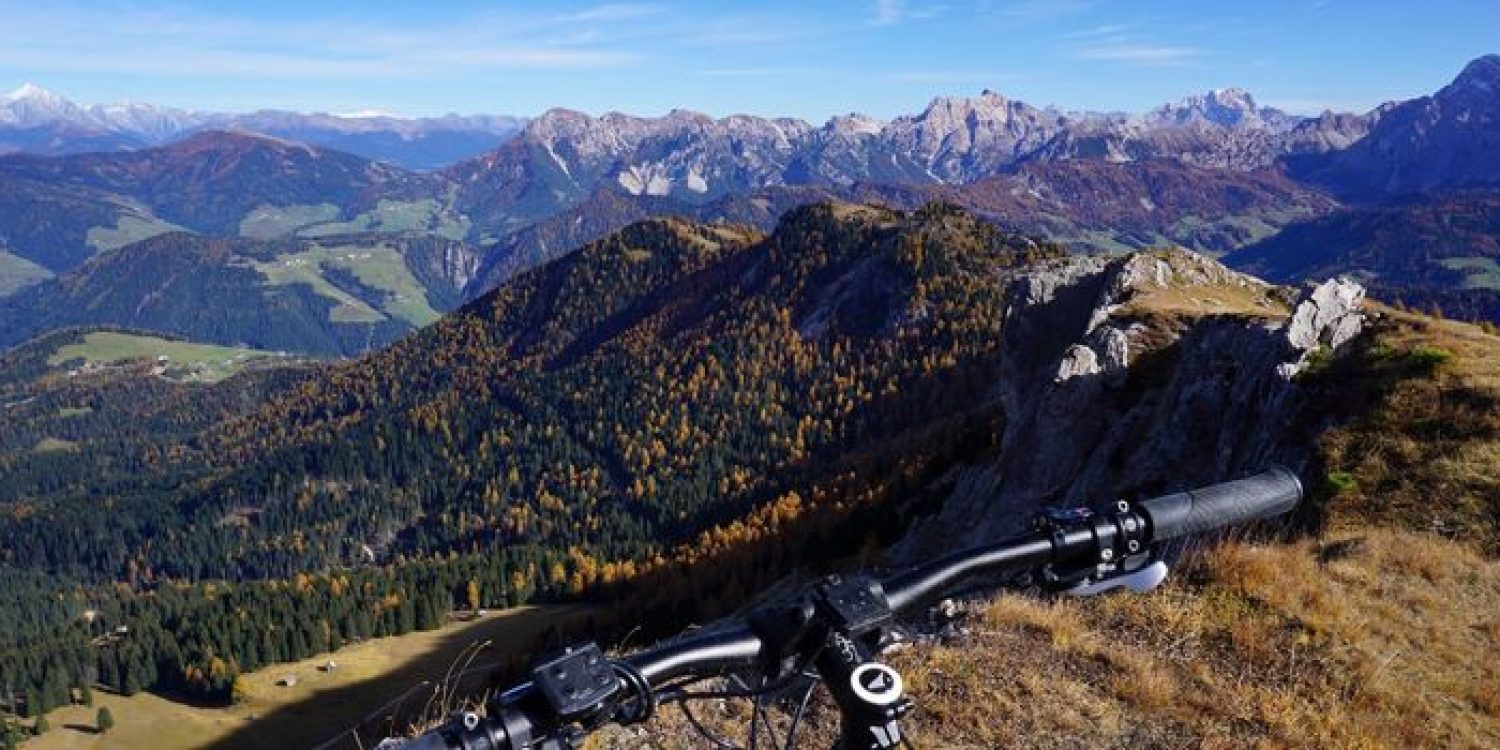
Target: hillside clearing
{"points": [[130, 228], [378, 267], [17, 273], [185, 361], [319, 706]]}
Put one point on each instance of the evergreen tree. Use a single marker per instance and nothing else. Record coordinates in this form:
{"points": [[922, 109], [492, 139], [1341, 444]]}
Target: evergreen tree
{"points": [[41, 726], [105, 720]]}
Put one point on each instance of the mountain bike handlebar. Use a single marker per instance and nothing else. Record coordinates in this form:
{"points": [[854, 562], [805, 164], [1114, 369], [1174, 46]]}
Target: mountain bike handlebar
{"points": [[837, 622], [1269, 493]]}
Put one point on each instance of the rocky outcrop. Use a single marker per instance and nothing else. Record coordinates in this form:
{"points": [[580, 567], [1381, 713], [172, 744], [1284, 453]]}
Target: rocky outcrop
{"points": [[1140, 375]]}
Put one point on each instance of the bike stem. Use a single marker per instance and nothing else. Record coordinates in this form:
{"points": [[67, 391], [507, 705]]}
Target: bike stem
{"points": [[868, 693]]}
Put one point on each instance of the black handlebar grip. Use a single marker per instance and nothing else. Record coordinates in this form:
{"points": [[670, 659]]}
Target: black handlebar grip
{"points": [[1269, 493]]}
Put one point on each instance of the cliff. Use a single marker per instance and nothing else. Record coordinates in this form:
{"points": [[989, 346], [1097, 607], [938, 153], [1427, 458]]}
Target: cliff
{"points": [[1148, 373]]}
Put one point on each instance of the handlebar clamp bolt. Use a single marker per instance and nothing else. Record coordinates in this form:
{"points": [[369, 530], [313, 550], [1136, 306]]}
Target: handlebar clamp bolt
{"points": [[1106, 554], [1134, 546], [470, 721]]}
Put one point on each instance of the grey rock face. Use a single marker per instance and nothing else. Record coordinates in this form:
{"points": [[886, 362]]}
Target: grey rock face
{"points": [[563, 156], [1327, 315], [1099, 404]]}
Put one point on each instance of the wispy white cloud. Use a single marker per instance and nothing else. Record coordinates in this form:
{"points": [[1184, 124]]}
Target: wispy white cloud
{"points": [[1113, 30], [615, 12], [762, 72], [1125, 43], [1153, 54], [1036, 11], [887, 12], [891, 12], [941, 77], [148, 41]]}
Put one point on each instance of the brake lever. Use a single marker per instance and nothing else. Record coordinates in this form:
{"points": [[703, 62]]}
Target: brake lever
{"points": [[1140, 581]]}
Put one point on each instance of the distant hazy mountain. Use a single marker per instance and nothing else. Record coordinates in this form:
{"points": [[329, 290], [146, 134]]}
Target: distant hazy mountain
{"points": [[1450, 140], [59, 210], [34, 120]]}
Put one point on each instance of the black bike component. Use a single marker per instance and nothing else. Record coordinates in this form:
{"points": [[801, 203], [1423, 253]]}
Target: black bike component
{"points": [[712, 653], [838, 623], [782, 628], [1059, 516], [641, 703], [1120, 538], [868, 694], [852, 604], [578, 683], [1266, 494]]}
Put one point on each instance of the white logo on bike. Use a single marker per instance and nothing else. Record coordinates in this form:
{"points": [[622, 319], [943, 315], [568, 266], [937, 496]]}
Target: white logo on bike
{"points": [[876, 683]]}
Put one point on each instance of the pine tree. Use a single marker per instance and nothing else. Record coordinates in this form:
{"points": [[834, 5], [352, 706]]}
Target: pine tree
{"points": [[105, 720], [88, 695]]}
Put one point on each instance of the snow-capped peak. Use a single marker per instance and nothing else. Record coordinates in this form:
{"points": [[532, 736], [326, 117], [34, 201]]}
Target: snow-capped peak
{"points": [[33, 92], [33, 105], [365, 114]]}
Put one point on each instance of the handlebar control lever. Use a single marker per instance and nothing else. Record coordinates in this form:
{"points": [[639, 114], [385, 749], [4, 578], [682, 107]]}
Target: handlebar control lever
{"points": [[1118, 536], [579, 684], [1140, 580]]}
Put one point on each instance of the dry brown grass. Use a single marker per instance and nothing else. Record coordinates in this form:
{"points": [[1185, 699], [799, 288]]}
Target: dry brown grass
{"points": [[1424, 449], [1197, 287], [1382, 639]]}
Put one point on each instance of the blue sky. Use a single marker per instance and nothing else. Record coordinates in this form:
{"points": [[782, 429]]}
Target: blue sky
{"points": [[805, 59]]}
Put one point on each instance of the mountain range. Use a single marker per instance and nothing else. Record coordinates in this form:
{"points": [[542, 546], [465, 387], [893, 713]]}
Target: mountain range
{"points": [[1216, 173], [35, 120]]}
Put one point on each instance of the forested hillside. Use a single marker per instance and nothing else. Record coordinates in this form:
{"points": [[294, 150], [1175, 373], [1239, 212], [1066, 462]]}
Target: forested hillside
{"points": [[569, 431], [339, 296], [1441, 253]]}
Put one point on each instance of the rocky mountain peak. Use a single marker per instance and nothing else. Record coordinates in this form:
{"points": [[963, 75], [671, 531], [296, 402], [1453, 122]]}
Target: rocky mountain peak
{"points": [[854, 124], [33, 105], [1480, 77], [1224, 107]]}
